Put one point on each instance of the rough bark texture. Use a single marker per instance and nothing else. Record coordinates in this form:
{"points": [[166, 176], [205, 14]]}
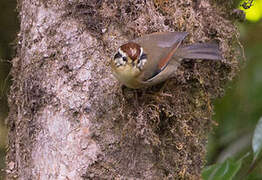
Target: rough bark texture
{"points": [[69, 117]]}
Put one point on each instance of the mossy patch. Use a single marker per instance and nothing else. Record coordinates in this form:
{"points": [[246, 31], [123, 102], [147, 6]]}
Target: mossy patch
{"points": [[172, 119]]}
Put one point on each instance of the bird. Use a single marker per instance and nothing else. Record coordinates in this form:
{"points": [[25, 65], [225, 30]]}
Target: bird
{"points": [[153, 58]]}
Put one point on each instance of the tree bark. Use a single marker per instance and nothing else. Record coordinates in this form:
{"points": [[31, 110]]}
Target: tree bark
{"points": [[69, 117]]}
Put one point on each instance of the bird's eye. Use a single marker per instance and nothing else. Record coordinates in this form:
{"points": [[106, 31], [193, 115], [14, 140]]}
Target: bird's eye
{"points": [[124, 59], [141, 61]]}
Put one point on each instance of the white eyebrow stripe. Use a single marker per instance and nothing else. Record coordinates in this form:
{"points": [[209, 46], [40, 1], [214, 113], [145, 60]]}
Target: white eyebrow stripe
{"points": [[141, 51]]}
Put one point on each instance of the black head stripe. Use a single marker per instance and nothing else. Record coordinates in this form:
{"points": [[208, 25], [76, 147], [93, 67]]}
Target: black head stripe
{"points": [[143, 56], [117, 55]]}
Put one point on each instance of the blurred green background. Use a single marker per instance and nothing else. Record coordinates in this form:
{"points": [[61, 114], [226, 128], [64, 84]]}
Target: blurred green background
{"points": [[8, 29], [236, 113]]}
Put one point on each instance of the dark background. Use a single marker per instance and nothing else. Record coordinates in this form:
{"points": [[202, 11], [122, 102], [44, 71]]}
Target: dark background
{"points": [[236, 113], [9, 26]]}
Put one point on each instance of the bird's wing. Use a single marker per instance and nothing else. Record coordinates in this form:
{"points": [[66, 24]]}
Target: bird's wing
{"points": [[163, 75], [160, 48]]}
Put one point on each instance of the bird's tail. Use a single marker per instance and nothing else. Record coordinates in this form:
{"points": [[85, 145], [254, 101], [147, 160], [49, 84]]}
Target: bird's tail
{"points": [[200, 51]]}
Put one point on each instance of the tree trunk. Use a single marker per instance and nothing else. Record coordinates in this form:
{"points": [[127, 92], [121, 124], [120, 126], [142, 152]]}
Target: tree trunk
{"points": [[71, 119]]}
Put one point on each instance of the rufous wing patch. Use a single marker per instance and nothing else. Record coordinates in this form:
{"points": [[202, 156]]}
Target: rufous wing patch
{"points": [[164, 61]]}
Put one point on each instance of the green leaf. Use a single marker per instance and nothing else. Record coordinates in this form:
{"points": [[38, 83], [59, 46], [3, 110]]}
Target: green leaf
{"points": [[257, 140], [225, 171]]}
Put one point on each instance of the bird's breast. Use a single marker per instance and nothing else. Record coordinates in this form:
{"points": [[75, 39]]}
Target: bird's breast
{"points": [[127, 76]]}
